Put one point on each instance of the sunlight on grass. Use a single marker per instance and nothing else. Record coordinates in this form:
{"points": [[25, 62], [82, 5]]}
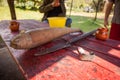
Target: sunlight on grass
{"points": [[25, 14], [5, 15], [21, 14], [84, 23]]}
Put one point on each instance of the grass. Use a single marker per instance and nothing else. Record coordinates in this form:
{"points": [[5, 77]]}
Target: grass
{"points": [[84, 23], [21, 14]]}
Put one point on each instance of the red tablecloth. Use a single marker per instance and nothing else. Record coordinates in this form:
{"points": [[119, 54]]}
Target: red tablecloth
{"points": [[66, 64]]}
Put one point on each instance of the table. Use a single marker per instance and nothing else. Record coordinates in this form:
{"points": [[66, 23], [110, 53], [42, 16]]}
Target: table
{"points": [[65, 64]]}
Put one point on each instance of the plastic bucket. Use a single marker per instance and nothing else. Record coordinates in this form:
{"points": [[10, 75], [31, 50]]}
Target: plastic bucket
{"points": [[57, 22]]}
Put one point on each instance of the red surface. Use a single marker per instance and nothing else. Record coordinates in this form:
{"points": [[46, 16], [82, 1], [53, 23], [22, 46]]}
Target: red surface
{"points": [[66, 64]]}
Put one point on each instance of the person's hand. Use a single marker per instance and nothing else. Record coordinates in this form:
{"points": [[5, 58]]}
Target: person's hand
{"points": [[106, 23], [55, 3]]}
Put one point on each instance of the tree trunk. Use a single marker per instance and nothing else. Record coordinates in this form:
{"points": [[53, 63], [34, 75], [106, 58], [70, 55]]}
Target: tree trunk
{"points": [[96, 14], [12, 9]]}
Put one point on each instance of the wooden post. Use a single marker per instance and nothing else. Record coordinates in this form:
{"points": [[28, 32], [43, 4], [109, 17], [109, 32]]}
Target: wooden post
{"points": [[12, 9]]}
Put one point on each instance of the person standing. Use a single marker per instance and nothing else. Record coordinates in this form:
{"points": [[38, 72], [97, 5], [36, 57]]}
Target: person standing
{"points": [[54, 8], [115, 24]]}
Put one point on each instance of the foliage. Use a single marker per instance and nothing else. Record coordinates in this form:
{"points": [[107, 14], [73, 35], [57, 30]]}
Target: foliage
{"points": [[34, 4], [28, 4], [97, 4], [77, 4], [3, 2]]}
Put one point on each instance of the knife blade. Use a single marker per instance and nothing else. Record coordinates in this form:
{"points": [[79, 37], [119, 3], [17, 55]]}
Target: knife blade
{"points": [[52, 49]]}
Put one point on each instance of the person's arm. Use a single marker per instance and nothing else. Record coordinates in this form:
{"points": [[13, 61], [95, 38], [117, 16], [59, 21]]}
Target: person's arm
{"points": [[45, 7], [108, 6]]}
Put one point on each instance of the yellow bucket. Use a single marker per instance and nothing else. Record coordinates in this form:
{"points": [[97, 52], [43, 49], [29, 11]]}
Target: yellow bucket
{"points": [[57, 22]]}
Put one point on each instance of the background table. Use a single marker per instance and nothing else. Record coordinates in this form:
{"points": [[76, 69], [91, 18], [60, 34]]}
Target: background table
{"points": [[65, 64]]}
